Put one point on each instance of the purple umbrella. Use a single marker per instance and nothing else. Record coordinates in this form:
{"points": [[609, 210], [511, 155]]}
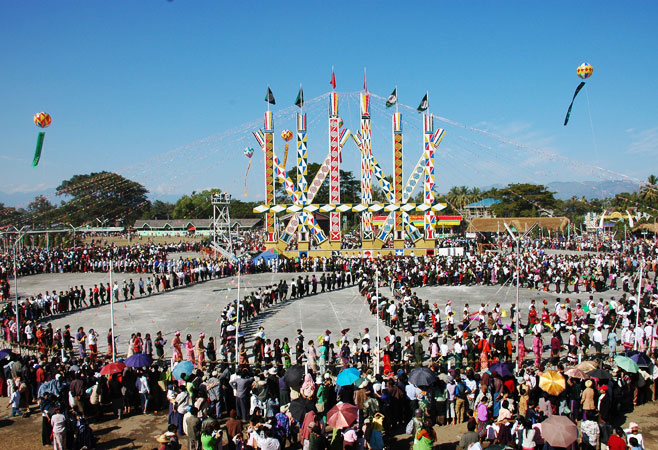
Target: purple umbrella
{"points": [[503, 369], [139, 360]]}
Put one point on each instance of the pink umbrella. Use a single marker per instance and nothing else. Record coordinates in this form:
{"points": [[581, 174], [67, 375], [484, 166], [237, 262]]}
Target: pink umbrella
{"points": [[342, 415], [559, 431]]}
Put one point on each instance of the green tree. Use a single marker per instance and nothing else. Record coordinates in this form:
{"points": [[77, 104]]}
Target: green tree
{"points": [[40, 211], [458, 196], [195, 206], [158, 210], [104, 195], [649, 191], [524, 200], [11, 216]]}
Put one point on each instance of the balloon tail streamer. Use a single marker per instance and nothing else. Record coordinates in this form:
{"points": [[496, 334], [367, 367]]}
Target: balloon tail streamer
{"points": [[285, 155], [37, 151], [580, 86], [245, 178]]}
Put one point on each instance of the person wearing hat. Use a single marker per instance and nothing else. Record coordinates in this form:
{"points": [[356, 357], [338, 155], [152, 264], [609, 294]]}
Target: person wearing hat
{"points": [[604, 403], [587, 398], [633, 431]]}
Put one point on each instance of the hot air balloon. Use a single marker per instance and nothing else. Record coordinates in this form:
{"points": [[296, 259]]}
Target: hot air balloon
{"points": [[286, 135], [583, 71], [42, 120]]}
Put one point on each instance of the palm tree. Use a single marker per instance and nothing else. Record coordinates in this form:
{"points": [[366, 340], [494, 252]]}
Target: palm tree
{"points": [[458, 196], [649, 191]]}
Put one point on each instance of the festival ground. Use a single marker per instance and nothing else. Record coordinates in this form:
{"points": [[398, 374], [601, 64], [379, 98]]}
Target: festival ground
{"points": [[197, 308], [139, 431]]}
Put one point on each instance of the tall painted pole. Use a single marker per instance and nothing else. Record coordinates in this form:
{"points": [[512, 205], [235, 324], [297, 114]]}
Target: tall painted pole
{"points": [[302, 185], [428, 186], [366, 169], [398, 234], [269, 177], [335, 235], [114, 339]]}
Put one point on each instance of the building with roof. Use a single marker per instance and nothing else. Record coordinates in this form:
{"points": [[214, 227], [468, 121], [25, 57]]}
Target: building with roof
{"points": [[188, 227], [480, 209]]}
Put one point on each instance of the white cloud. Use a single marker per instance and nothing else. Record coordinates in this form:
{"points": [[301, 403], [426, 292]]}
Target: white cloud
{"points": [[643, 141]]}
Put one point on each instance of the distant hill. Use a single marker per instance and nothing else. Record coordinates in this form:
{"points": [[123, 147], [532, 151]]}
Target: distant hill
{"points": [[591, 189], [22, 199]]}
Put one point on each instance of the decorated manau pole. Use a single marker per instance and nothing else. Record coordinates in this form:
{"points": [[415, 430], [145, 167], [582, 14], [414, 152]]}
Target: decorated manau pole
{"points": [[398, 234], [334, 171], [428, 185], [302, 186], [269, 177], [367, 235]]}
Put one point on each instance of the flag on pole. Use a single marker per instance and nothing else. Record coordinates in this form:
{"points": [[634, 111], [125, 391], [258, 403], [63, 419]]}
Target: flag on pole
{"points": [[299, 102], [424, 104], [392, 99], [365, 82], [333, 79], [269, 97]]}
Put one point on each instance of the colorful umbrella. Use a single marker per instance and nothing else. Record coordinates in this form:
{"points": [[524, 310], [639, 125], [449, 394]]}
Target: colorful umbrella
{"points": [[422, 376], [348, 376], [342, 415], [183, 367], [586, 366], [552, 382], [504, 369], [139, 360], [559, 431], [576, 373], [626, 364], [641, 359], [112, 368]]}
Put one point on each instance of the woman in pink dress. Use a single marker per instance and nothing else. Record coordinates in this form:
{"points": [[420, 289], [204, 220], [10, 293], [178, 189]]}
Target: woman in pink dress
{"points": [[537, 348], [177, 346], [189, 347]]}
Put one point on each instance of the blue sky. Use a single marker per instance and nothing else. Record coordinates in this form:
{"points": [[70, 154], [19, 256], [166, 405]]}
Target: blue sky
{"points": [[127, 82]]}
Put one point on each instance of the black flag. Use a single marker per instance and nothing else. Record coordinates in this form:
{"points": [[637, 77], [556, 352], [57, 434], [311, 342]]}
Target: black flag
{"points": [[299, 101], [269, 97], [580, 86], [392, 99], [424, 104]]}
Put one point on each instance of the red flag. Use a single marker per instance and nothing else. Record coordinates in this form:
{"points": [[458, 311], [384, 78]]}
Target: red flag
{"points": [[333, 79]]}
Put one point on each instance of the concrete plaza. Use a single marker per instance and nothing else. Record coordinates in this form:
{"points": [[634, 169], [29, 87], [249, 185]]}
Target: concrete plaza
{"points": [[197, 308]]}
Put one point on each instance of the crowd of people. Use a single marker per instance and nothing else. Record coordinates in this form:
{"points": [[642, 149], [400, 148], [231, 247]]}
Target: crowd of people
{"points": [[571, 360]]}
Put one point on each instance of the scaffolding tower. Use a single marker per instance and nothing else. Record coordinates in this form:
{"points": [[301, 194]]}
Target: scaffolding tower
{"points": [[221, 224]]}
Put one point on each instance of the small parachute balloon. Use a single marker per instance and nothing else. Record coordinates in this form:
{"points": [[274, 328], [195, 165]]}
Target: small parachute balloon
{"points": [[340, 122], [585, 70], [42, 120], [248, 152], [286, 135]]}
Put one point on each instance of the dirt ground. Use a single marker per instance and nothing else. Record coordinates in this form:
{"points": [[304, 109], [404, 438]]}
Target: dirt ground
{"points": [[138, 431]]}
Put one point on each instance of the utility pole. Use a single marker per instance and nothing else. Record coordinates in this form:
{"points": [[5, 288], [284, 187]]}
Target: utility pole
{"points": [[19, 237]]}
